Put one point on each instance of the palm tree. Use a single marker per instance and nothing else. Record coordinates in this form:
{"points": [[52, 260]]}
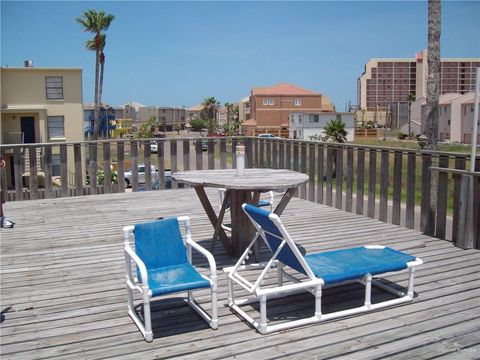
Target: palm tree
{"points": [[209, 112], [335, 131], [430, 129], [96, 22]]}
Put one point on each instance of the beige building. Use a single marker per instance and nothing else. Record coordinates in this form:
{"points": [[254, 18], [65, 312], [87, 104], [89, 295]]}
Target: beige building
{"points": [[455, 121], [244, 109], [392, 80], [271, 107], [170, 115], [41, 105]]}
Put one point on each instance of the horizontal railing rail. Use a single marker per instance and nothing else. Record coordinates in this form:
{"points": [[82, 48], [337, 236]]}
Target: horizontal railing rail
{"points": [[389, 184]]}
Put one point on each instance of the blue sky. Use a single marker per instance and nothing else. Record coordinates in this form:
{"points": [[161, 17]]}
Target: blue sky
{"points": [[177, 53]]}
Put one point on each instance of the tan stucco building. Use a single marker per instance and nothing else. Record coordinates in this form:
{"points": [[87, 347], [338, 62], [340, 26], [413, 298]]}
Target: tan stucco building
{"points": [[41, 105]]}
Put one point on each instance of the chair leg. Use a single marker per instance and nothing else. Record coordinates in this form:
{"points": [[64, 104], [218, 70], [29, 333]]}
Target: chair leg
{"points": [[318, 301], [263, 314], [214, 324], [147, 315], [368, 291], [411, 280]]}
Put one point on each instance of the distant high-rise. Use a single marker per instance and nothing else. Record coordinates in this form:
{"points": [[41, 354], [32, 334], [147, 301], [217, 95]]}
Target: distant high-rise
{"points": [[392, 80]]}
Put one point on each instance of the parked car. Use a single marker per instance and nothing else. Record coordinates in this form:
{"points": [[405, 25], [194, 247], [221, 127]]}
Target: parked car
{"points": [[204, 143], [154, 172], [153, 147], [268, 136]]}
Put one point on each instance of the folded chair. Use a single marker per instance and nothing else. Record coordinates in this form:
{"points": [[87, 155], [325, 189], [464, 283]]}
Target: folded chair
{"points": [[311, 273], [164, 266]]}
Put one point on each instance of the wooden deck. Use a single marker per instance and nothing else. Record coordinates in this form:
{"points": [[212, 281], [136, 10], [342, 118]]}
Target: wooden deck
{"points": [[63, 292]]}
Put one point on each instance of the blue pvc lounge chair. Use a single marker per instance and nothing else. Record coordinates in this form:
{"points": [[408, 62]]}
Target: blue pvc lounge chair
{"points": [[315, 270], [164, 266]]}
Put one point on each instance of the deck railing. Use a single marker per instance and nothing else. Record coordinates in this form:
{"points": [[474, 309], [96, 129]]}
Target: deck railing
{"points": [[389, 184]]}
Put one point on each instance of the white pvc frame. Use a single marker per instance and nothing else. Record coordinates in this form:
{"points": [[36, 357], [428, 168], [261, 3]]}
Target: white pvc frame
{"points": [[312, 284], [142, 287]]}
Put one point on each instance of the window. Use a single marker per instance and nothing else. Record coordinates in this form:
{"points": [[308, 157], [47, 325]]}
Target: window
{"points": [[298, 102], [54, 87], [314, 118], [56, 127], [300, 118], [268, 102]]}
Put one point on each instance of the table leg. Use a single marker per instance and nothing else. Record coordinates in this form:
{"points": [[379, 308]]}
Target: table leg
{"points": [[242, 229], [285, 199], [212, 216], [225, 204]]}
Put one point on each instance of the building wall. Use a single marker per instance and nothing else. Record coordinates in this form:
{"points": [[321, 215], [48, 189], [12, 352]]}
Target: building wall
{"points": [[24, 94], [244, 109], [304, 125], [385, 80], [24, 88], [277, 114]]}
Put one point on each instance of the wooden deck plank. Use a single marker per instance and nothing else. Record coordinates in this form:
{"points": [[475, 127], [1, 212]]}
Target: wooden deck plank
{"points": [[63, 294]]}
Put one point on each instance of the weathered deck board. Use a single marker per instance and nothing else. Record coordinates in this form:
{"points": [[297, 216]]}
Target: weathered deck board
{"points": [[63, 293]]}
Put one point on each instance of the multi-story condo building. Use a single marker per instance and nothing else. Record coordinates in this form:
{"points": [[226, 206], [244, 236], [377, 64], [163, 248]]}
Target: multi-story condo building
{"points": [[387, 81], [170, 115], [271, 107], [41, 105]]}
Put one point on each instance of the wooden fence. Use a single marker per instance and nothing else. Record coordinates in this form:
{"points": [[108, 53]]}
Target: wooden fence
{"points": [[389, 184]]}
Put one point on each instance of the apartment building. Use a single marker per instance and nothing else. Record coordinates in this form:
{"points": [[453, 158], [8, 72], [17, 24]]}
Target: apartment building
{"points": [[41, 105], [170, 115], [271, 107], [455, 120], [244, 109], [305, 125], [392, 80]]}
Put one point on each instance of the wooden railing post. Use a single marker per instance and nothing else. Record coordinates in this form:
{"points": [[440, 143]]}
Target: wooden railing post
{"points": [[161, 164], [441, 213], [173, 160], [360, 181], [427, 218], [383, 209], [339, 178], [77, 158], [64, 170], [121, 166], [48, 171], [134, 164], [320, 173], [17, 169], [107, 172], [372, 178], [311, 172], [33, 178], [397, 187], [349, 181], [410, 206], [92, 167]]}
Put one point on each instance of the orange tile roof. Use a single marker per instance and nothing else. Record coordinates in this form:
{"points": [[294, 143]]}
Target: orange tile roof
{"points": [[282, 89]]}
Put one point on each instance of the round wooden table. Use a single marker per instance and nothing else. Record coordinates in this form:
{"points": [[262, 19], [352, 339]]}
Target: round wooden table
{"points": [[240, 189]]}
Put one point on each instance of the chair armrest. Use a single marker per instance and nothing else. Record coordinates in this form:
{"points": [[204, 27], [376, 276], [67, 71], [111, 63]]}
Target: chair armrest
{"points": [[204, 252], [141, 266]]}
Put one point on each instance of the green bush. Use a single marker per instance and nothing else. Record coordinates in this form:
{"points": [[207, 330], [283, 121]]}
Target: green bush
{"points": [[402, 136], [198, 124]]}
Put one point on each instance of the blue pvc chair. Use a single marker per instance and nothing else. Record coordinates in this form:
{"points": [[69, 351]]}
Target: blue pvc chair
{"points": [[164, 266], [314, 271]]}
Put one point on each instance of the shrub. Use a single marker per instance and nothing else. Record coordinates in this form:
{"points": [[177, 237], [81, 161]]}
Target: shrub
{"points": [[198, 124], [402, 136]]}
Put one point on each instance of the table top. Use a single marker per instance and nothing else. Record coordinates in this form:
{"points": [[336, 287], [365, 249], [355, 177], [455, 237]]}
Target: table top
{"points": [[253, 179]]}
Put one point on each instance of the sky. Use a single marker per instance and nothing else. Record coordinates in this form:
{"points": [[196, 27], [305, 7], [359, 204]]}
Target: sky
{"points": [[178, 53]]}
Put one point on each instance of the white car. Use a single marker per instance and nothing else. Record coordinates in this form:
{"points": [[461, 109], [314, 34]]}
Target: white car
{"points": [[141, 176], [267, 136]]}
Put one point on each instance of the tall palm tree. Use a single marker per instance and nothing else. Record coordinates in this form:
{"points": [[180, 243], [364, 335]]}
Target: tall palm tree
{"points": [[209, 112], [430, 129], [96, 22]]}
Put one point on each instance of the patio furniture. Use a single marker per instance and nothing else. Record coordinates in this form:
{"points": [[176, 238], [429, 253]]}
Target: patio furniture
{"points": [[239, 189], [312, 272], [164, 266], [261, 202]]}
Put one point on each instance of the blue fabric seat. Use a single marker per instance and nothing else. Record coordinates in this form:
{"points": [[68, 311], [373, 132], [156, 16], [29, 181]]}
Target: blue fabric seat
{"points": [[175, 278], [355, 263], [164, 266]]}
